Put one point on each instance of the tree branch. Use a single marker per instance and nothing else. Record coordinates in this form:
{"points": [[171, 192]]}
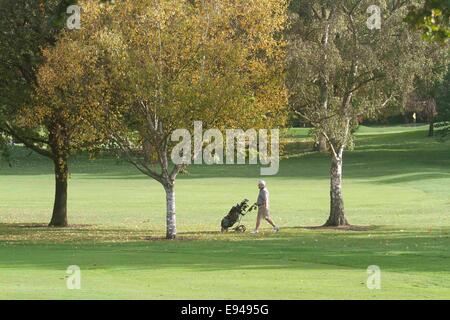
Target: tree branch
{"points": [[27, 141]]}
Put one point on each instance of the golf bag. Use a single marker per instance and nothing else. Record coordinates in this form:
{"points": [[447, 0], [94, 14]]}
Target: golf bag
{"points": [[235, 215]]}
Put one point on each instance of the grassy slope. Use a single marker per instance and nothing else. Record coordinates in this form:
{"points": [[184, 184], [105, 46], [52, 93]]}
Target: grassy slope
{"points": [[396, 182]]}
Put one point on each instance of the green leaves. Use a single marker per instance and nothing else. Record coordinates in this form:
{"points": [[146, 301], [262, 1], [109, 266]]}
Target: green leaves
{"points": [[340, 69], [433, 20], [26, 26]]}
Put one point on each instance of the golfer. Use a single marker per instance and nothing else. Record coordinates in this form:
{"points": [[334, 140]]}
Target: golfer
{"points": [[263, 207]]}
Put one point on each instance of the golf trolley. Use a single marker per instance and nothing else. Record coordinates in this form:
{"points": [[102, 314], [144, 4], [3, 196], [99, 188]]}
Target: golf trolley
{"points": [[235, 215]]}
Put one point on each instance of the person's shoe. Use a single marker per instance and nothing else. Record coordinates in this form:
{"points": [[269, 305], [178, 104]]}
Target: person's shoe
{"points": [[276, 229], [255, 231]]}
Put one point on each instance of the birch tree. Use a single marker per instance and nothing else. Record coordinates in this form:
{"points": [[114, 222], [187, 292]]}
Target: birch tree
{"points": [[348, 59], [170, 63]]}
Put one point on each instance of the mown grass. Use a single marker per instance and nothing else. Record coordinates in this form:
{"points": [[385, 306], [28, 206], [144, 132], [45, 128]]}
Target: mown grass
{"points": [[396, 190]]}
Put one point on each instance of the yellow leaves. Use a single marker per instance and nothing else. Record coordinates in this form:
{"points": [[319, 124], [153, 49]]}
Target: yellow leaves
{"points": [[70, 89], [216, 61]]}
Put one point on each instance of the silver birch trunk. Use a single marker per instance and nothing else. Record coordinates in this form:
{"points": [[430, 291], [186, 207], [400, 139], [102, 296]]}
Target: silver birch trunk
{"points": [[337, 213], [321, 144], [323, 86], [171, 223]]}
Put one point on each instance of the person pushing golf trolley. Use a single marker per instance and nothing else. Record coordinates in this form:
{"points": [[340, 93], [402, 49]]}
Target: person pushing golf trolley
{"points": [[263, 208], [240, 210]]}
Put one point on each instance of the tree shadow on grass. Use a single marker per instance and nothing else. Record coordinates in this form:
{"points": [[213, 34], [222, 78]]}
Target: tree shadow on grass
{"points": [[341, 228], [292, 249], [46, 226]]}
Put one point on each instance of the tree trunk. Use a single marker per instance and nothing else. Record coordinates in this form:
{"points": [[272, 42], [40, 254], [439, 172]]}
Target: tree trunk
{"points": [[431, 129], [321, 144], [147, 149], [337, 213], [59, 216], [171, 223]]}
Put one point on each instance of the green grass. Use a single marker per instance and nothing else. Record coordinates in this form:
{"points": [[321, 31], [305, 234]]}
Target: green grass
{"points": [[396, 189]]}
